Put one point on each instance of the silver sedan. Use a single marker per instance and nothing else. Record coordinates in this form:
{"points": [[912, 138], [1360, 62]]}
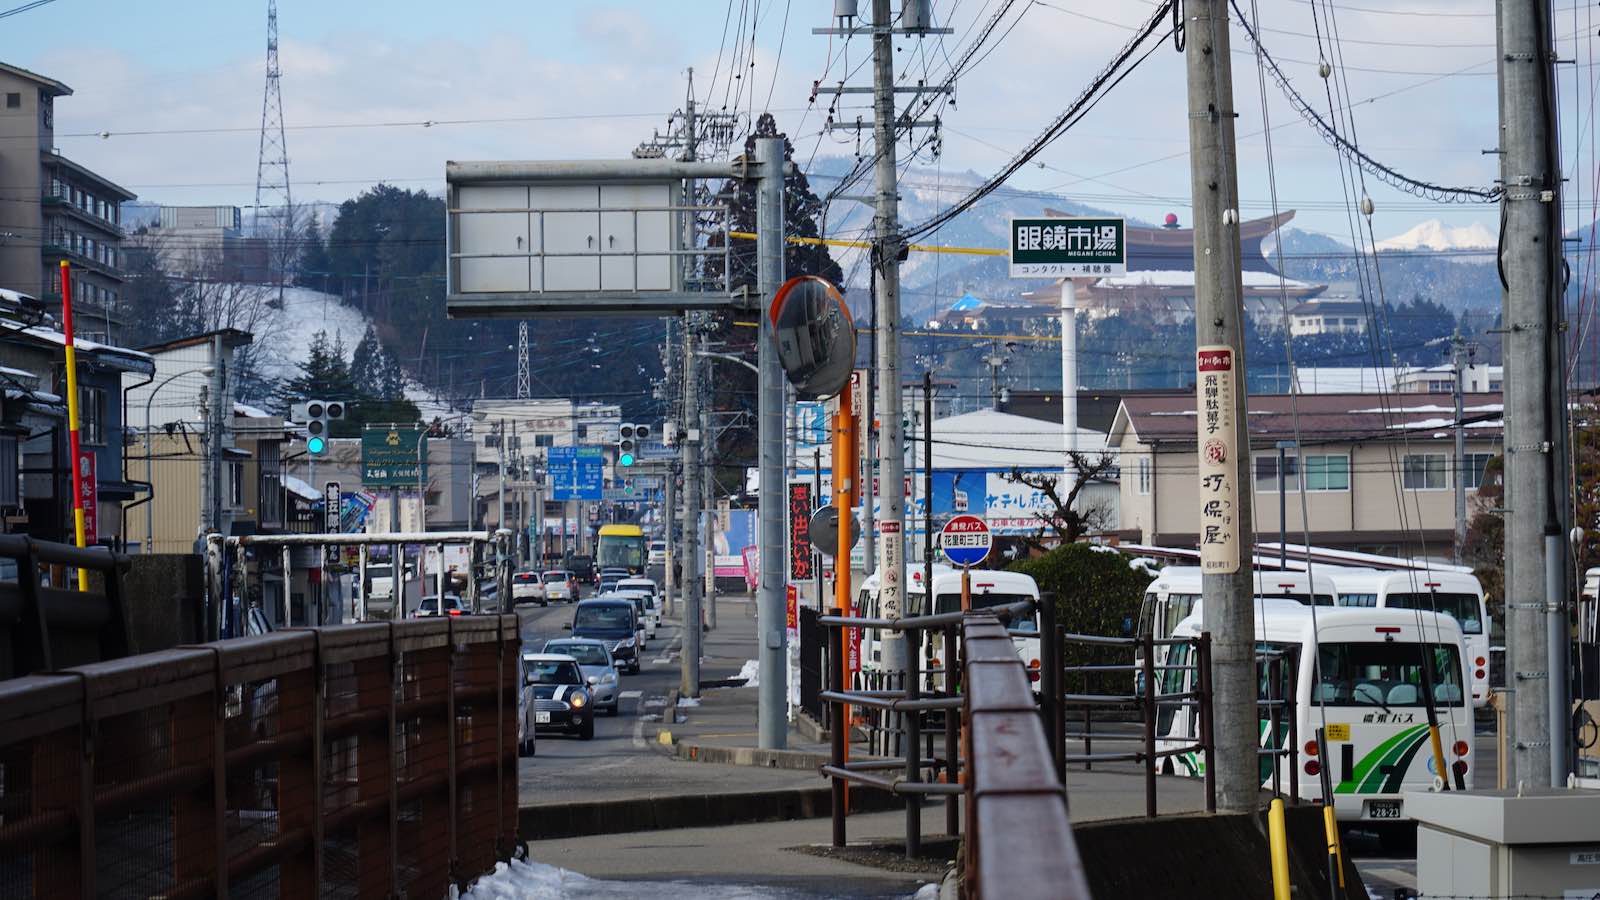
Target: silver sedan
{"points": [[599, 669]]}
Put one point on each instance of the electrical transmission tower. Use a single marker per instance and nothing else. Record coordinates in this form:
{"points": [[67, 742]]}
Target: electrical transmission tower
{"points": [[524, 388], [272, 165]]}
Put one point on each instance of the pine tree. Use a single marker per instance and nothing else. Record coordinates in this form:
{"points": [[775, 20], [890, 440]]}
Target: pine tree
{"points": [[315, 266], [323, 375]]}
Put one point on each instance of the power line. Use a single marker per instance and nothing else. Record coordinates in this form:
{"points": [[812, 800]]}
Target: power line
{"points": [[18, 10]]}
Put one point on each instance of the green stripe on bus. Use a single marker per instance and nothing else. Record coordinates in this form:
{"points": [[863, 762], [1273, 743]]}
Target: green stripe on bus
{"points": [[1395, 761], [1370, 762]]}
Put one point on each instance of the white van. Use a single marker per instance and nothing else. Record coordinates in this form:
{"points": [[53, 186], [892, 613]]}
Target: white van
{"points": [[1452, 593], [990, 587], [1175, 594]]}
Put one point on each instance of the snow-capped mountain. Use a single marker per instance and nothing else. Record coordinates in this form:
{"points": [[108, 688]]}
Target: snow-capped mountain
{"points": [[1435, 235]]}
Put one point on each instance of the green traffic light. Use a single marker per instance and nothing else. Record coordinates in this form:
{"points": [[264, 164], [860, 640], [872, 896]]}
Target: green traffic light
{"points": [[316, 445], [625, 459]]}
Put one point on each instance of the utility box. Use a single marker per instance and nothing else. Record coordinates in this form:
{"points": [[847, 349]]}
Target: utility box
{"points": [[1545, 843]]}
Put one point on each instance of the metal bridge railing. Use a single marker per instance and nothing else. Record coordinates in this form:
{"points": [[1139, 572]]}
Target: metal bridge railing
{"points": [[374, 760], [1085, 677], [995, 754]]}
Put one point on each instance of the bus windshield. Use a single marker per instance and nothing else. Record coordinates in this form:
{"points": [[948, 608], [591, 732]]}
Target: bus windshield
{"points": [[1462, 607], [952, 603], [1386, 675], [621, 551]]}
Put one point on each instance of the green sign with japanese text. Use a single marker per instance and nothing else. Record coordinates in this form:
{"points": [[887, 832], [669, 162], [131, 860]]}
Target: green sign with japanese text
{"points": [[1058, 247], [393, 457]]}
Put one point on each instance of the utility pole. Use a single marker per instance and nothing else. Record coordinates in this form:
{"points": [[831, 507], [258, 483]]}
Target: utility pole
{"points": [[708, 538], [772, 715], [1535, 399], [1069, 384], [218, 430], [670, 503], [1458, 359], [690, 657], [886, 258], [1226, 527]]}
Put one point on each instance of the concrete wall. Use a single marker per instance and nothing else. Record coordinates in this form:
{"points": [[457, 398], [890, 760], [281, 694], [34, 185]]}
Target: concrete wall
{"points": [[163, 601], [20, 262]]}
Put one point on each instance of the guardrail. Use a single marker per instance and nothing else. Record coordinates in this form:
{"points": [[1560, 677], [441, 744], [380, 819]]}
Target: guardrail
{"points": [[375, 760], [995, 753]]}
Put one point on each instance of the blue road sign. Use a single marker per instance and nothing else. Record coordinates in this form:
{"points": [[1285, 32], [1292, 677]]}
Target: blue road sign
{"points": [[576, 473]]}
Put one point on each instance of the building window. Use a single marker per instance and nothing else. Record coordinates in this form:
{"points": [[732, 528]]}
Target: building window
{"points": [[13, 100], [1328, 472], [1352, 323], [92, 416], [1267, 473], [1424, 472], [1472, 470], [235, 484], [1146, 473], [1494, 385], [544, 440]]}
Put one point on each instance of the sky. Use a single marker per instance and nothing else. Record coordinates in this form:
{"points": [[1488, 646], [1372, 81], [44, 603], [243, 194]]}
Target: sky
{"points": [[168, 93]]}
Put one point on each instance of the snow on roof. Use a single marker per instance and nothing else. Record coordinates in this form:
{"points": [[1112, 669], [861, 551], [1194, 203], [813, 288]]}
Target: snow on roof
{"points": [[300, 488], [250, 412], [1185, 278], [987, 439], [142, 362]]}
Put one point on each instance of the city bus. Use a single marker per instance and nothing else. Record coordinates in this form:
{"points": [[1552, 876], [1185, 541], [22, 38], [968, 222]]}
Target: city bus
{"points": [[1456, 594], [621, 547], [1358, 673]]}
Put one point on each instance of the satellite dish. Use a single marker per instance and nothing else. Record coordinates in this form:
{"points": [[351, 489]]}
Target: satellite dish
{"points": [[816, 336]]}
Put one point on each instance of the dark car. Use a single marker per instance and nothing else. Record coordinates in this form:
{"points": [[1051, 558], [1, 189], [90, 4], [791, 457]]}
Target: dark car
{"points": [[615, 623], [582, 567], [560, 699]]}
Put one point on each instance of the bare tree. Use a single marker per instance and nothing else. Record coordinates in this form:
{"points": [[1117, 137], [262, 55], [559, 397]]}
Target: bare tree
{"points": [[1065, 520]]}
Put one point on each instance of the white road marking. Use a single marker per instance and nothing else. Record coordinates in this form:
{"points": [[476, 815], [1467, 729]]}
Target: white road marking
{"points": [[638, 734], [630, 695]]}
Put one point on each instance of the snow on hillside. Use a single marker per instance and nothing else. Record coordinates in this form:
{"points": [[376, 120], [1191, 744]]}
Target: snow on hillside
{"points": [[1435, 235], [285, 340]]}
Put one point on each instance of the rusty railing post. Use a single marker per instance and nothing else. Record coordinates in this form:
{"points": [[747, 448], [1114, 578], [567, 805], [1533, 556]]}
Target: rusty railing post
{"points": [[1149, 726], [1207, 740], [297, 872], [952, 732], [913, 741], [1294, 737], [838, 728], [1050, 685]]}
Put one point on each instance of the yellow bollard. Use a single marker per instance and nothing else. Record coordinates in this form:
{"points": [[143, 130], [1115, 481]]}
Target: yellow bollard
{"points": [[1278, 841], [1330, 826]]}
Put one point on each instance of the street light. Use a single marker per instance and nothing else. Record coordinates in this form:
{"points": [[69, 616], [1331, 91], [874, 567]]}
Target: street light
{"points": [[149, 468]]}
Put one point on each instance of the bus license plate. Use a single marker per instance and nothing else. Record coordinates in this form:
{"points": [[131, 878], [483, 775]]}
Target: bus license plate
{"points": [[1383, 809], [543, 718]]}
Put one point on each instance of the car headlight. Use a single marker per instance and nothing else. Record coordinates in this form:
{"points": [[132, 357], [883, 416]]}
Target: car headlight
{"points": [[578, 700], [608, 677]]}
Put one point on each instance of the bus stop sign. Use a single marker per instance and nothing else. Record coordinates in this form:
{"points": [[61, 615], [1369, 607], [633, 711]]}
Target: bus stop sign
{"points": [[965, 540]]}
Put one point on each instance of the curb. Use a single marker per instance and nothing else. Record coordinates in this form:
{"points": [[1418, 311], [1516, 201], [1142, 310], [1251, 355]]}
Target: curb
{"points": [[796, 760], [565, 820]]}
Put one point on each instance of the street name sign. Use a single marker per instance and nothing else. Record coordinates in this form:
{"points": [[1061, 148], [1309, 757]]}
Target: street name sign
{"points": [[576, 473], [966, 540], [1075, 247]]}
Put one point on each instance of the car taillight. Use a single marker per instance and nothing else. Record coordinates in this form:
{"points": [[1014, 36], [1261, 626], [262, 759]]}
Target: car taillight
{"points": [[1313, 767], [455, 612], [1460, 767], [1033, 674], [1033, 664], [1479, 661], [1312, 749], [1460, 748], [1480, 674]]}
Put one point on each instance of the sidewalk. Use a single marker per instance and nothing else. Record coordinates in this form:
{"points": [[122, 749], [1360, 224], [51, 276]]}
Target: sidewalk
{"points": [[721, 726]]}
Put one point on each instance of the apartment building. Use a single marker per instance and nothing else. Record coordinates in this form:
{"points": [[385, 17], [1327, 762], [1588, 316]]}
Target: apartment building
{"points": [[74, 215], [1379, 472]]}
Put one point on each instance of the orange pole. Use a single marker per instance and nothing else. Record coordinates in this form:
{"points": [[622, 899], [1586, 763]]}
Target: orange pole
{"points": [[844, 492]]}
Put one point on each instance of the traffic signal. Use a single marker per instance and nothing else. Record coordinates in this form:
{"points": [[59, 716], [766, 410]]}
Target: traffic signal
{"points": [[627, 442], [318, 416]]}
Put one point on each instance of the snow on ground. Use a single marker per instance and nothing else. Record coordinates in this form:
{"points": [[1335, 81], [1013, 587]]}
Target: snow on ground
{"points": [[686, 702], [751, 673], [519, 880]]}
